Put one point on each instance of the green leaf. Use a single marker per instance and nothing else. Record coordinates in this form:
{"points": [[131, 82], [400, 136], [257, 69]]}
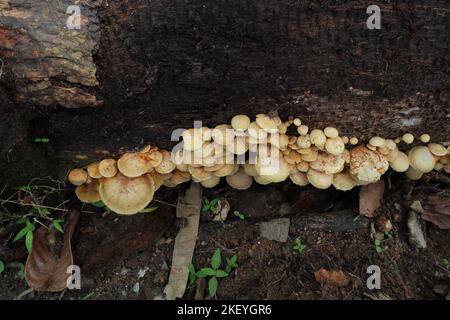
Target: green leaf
{"points": [[377, 242], [239, 215], [57, 225], [26, 189], [206, 201], [378, 249], [149, 210], [98, 204], [221, 274], [192, 275], [214, 202], [206, 208], [216, 259], [212, 286], [88, 296], [207, 271], [29, 226], [29, 241], [2, 266]]}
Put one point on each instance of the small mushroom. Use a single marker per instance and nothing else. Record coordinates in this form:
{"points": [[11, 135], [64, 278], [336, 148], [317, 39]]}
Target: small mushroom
{"points": [[108, 168], [425, 138], [303, 166], [318, 138], [255, 132], [335, 146], [310, 156], [400, 163], [274, 169], [353, 141], [421, 159], [408, 138], [437, 149], [199, 174], [297, 122], [299, 179], [88, 192], [319, 180], [414, 174], [133, 164], [93, 171], [166, 165], [304, 142], [192, 139], [240, 180], [331, 132], [303, 130], [222, 134], [211, 182], [377, 142], [267, 123], [125, 195], [344, 181], [240, 122], [224, 171], [78, 177]]}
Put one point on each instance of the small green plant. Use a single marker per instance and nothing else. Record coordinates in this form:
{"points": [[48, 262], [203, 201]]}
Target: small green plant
{"points": [[378, 247], [2, 266], [21, 272], [231, 264], [42, 140], [446, 263], [239, 214], [299, 247], [27, 232], [209, 206], [192, 274]]}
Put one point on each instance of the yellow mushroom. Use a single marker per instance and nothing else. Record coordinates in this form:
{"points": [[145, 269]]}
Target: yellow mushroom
{"points": [[78, 177]]}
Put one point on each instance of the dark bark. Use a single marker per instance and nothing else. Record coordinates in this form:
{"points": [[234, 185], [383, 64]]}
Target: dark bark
{"points": [[162, 64]]}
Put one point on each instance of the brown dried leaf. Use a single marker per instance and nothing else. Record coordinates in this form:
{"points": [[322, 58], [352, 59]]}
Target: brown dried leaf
{"points": [[46, 267], [332, 278], [437, 211], [370, 198]]}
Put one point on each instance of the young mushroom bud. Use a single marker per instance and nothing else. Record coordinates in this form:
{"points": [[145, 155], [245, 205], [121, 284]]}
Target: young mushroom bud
{"points": [[303, 130], [354, 141], [425, 138], [318, 138], [408, 138], [78, 177]]}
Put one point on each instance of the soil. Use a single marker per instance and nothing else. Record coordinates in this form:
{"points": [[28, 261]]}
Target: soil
{"points": [[116, 253]]}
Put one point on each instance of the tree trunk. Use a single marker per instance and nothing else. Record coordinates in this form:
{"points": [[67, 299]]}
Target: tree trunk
{"points": [[136, 70]]}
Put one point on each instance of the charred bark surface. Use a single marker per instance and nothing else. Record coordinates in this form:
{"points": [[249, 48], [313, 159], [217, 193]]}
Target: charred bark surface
{"points": [[162, 64]]}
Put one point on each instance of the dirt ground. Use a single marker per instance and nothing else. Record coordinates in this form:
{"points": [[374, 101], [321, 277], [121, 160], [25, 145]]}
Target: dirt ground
{"points": [[130, 257]]}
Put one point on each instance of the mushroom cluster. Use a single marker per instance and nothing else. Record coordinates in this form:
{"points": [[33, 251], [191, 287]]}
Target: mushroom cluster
{"points": [[244, 151]]}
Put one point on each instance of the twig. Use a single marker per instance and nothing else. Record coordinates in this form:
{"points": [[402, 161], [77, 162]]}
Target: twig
{"points": [[24, 293], [31, 205]]}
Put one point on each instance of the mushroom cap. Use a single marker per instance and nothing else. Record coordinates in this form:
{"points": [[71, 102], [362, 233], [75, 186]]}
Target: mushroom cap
{"points": [[335, 145], [400, 163], [211, 182], [274, 169], [344, 181], [262, 180], [414, 174], [297, 122], [108, 168], [255, 132], [421, 159], [303, 166], [367, 165], [293, 157], [93, 171], [199, 174], [318, 179], [328, 163], [133, 164], [353, 141], [310, 156], [89, 192], [166, 165], [390, 144], [377, 142], [239, 145], [125, 195], [222, 134], [226, 170], [250, 169], [299, 179], [240, 180], [425, 138], [304, 142], [192, 139], [77, 177], [157, 178], [437, 149], [331, 132], [155, 158], [408, 138], [179, 177], [303, 130], [267, 123], [240, 122]]}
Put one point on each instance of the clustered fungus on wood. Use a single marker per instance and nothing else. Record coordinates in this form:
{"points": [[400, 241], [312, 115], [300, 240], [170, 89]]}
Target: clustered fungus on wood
{"points": [[262, 150]]}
